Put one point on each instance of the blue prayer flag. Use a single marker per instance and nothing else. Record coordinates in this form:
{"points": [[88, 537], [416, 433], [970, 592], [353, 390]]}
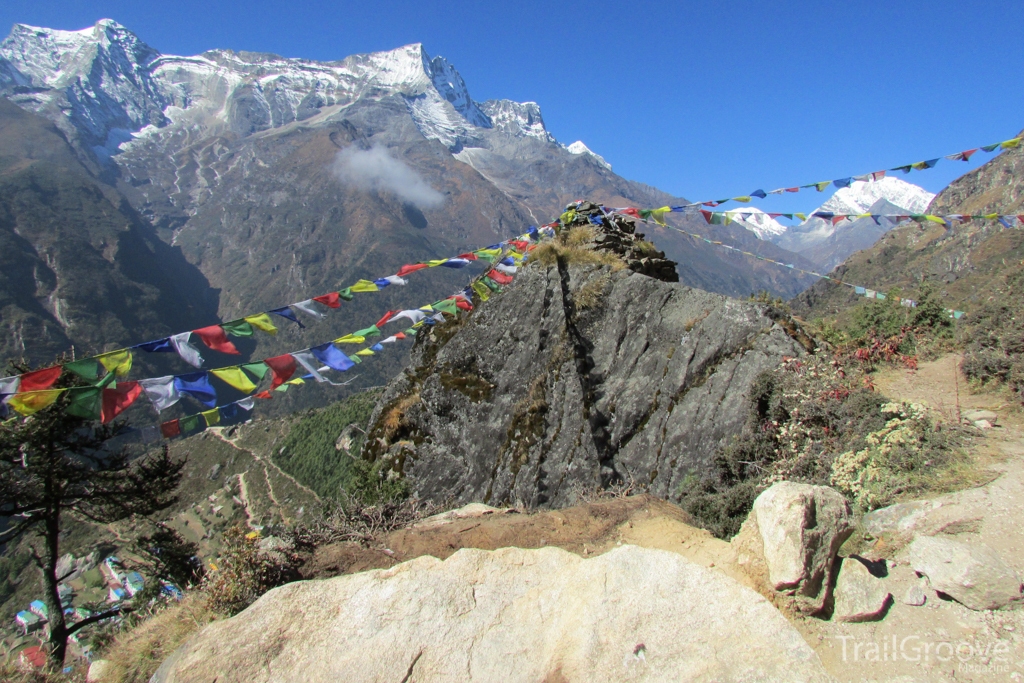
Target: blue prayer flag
{"points": [[197, 385], [329, 355], [287, 312]]}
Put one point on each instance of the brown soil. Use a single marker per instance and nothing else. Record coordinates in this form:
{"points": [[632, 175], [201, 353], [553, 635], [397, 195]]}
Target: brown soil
{"points": [[588, 529]]}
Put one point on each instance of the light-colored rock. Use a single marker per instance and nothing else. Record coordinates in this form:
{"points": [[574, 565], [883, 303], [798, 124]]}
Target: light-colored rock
{"points": [[465, 512], [902, 517], [983, 424], [508, 615], [915, 595], [859, 595], [979, 415], [100, 671], [801, 528], [973, 575]]}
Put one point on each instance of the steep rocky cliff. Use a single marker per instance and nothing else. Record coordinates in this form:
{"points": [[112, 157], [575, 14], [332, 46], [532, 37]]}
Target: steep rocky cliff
{"points": [[584, 372]]}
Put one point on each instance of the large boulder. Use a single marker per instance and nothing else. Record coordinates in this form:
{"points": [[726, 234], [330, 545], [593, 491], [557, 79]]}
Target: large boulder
{"points": [[506, 615], [973, 575], [792, 535]]}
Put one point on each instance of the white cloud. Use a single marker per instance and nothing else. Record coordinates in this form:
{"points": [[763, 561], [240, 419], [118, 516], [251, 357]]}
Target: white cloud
{"points": [[375, 169]]}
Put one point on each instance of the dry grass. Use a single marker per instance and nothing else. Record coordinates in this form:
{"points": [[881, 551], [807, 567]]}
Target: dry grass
{"points": [[578, 237], [645, 248], [392, 420], [589, 295], [136, 654], [548, 254]]}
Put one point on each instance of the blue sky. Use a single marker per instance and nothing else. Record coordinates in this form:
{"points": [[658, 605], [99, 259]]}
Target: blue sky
{"points": [[701, 99]]}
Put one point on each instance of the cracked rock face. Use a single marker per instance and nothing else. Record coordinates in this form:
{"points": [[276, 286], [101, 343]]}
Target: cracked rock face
{"points": [[576, 376], [508, 615]]}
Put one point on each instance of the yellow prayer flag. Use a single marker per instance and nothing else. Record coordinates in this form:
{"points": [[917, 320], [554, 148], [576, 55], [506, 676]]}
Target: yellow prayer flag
{"points": [[212, 417], [262, 322], [822, 185], [659, 214], [30, 402], [297, 380], [934, 219], [235, 377], [801, 216], [117, 362], [1010, 144], [481, 291], [864, 215], [350, 339], [991, 216], [437, 262], [745, 199], [364, 352], [364, 286], [487, 252]]}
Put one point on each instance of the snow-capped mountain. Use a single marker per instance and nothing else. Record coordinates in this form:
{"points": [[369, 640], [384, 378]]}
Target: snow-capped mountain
{"points": [[828, 245], [757, 221], [860, 196], [110, 86], [579, 148]]}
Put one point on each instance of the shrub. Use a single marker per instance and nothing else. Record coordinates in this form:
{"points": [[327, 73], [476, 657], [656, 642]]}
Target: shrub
{"points": [[243, 573]]}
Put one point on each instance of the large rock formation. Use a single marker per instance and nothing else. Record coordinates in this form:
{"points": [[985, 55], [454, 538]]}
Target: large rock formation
{"points": [[508, 615], [580, 374]]}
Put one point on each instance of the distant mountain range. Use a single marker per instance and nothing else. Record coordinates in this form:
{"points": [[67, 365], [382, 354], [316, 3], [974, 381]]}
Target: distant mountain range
{"points": [[828, 245], [275, 179], [967, 264]]}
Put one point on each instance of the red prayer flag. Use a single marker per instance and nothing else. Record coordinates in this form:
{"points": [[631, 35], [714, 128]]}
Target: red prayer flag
{"points": [[400, 335], [410, 268], [264, 394], [215, 337], [468, 256], [282, 368], [520, 245], [706, 214], [635, 213], [838, 219], [115, 401], [383, 321], [500, 278], [331, 300], [170, 429], [966, 154], [711, 204], [463, 304], [37, 380]]}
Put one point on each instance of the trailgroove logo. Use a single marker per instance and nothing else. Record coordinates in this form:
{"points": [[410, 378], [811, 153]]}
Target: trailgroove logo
{"points": [[971, 656]]}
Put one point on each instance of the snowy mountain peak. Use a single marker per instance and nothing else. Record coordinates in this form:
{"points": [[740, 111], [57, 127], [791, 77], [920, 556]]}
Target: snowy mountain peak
{"points": [[757, 221], [579, 148], [104, 86], [860, 196]]}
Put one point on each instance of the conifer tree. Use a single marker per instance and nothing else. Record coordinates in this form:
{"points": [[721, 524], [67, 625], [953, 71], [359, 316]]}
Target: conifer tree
{"points": [[53, 466]]}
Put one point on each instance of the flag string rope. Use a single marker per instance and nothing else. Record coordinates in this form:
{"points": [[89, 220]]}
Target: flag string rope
{"points": [[820, 186], [216, 336], [103, 401]]}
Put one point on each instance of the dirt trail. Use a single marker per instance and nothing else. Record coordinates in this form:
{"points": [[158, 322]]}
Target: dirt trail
{"points": [[992, 514]]}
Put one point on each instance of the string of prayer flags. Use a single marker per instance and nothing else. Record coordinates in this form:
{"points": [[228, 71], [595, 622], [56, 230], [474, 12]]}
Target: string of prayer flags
{"points": [[965, 155]]}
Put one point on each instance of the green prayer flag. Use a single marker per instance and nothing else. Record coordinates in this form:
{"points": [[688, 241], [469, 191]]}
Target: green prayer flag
{"points": [[492, 284], [355, 359], [346, 294], [447, 306], [86, 403], [259, 369], [371, 331], [189, 424], [88, 368], [238, 328]]}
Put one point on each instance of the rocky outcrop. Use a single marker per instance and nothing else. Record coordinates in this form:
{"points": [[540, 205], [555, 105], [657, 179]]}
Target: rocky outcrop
{"points": [[580, 374], [508, 615], [791, 538], [973, 575]]}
